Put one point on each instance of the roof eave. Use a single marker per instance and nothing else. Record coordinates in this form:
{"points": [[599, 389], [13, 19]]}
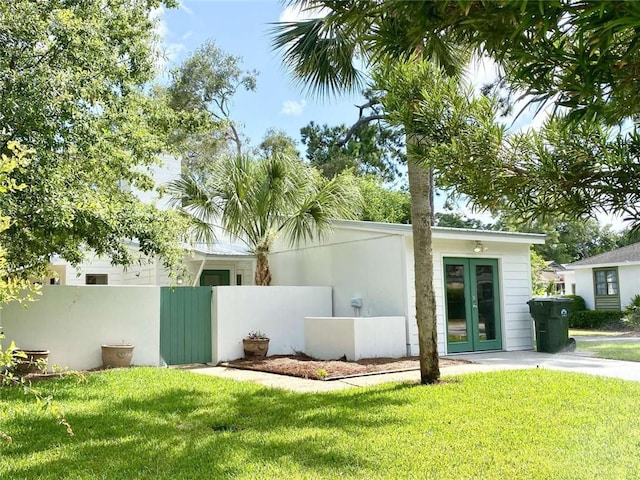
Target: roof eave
{"points": [[446, 232], [247, 256], [603, 265]]}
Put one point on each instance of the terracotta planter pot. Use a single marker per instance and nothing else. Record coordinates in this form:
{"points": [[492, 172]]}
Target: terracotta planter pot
{"points": [[116, 356], [255, 347], [35, 362]]}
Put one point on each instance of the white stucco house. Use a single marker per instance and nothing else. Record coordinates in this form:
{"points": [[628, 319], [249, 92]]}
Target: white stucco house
{"points": [[482, 280], [607, 281]]}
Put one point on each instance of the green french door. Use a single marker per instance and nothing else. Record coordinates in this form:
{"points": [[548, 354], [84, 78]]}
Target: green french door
{"points": [[472, 304]]}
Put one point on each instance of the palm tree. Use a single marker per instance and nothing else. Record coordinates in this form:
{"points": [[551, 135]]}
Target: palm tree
{"points": [[324, 54], [258, 200]]}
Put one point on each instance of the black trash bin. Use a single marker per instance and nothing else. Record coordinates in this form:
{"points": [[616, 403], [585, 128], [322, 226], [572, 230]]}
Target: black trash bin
{"points": [[551, 316]]}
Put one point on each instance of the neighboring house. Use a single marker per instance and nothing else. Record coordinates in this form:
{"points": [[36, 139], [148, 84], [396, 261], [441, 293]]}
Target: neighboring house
{"points": [[607, 281], [552, 277], [482, 280]]}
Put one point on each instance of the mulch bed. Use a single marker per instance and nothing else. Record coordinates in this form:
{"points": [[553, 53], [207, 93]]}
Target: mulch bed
{"points": [[311, 368]]}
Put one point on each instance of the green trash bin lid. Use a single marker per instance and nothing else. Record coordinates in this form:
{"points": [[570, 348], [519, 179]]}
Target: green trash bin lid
{"points": [[550, 306]]}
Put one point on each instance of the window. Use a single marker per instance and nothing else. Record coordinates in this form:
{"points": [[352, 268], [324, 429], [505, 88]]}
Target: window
{"points": [[238, 279], [606, 282], [96, 279]]}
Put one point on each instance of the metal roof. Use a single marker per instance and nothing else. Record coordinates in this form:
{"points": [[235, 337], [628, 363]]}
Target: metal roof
{"points": [[219, 248]]}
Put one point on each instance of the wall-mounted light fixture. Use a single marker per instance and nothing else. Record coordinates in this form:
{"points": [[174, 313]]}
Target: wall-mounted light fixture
{"points": [[479, 247]]}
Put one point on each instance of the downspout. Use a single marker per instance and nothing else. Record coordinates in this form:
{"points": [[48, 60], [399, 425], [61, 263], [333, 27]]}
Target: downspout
{"points": [[196, 281]]}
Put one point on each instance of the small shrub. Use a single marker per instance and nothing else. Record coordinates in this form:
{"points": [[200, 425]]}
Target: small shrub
{"points": [[632, 312], [578, 304], [594, 318], [257, 335]]}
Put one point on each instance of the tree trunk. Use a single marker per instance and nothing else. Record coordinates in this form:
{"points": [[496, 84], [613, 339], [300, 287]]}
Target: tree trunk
{"points": [[263, 274], [420, 182]]}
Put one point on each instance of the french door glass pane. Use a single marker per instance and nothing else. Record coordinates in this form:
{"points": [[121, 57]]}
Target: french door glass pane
{"points": [[456, 310], [485, 298]]}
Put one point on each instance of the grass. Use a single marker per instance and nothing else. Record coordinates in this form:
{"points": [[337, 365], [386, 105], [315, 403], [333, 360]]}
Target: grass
{"points": [[146, 423], [618, 350], [599, 333]]}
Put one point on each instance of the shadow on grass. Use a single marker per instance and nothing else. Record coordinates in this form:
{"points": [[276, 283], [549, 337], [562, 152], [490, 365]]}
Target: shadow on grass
{"points": [[127, 426]]}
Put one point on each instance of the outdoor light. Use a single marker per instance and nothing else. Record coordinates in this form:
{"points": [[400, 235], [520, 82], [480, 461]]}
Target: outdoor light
{"points": [[479, 247]]}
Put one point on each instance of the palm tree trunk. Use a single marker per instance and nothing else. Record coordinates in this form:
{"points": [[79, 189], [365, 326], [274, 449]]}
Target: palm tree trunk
{"points": [[263, 274], [420, 186]]}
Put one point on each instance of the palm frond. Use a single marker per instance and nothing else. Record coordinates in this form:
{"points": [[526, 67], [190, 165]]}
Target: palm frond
{"points": [[189, 195], [234, 182], [324, 202], [321, 54]]}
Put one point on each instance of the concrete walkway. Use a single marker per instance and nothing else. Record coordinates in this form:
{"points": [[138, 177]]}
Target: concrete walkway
{"points": [[482, 362]]}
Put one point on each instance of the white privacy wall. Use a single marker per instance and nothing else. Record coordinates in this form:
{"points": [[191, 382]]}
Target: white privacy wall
{"points": [[278, 312], [73, 322], [331, 338]]}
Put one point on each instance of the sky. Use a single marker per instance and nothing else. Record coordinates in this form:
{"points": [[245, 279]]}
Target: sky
{"points": [[241, 28]]}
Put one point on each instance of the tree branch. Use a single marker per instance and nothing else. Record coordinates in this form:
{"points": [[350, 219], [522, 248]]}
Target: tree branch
{"points": [[354, 127], [369, 104], [236, 138]]}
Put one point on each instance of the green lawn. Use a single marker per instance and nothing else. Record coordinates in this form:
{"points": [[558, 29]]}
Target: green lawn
{"points": [[616, 350], [619, 350], [599, 333], [148, 423]]}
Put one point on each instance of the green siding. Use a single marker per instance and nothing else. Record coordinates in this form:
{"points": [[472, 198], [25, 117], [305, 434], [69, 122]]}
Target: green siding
{"points": [[608, 303], [185, 325]]}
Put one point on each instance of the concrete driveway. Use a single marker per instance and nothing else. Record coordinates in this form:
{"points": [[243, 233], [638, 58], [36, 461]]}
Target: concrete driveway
{"points": [[567, 362]]}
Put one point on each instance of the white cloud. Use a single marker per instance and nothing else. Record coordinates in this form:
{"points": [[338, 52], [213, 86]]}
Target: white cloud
{"points": [[165, 52], [186, 9], [293, 108], [173, 50], [296, 14], [161, 31], [524, 116], [480, 72]]}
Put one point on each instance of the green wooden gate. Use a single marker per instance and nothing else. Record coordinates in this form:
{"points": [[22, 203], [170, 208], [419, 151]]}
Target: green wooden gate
{"points": [[185, 325]]}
